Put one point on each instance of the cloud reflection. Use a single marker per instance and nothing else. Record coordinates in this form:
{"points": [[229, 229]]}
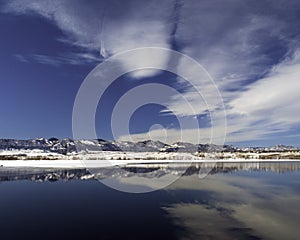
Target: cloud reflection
{"points": [[238, 206]]}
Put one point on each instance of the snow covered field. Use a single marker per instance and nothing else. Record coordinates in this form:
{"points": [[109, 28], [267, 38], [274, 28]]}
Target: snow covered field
{"points": [[98, 159], [79, 164]]}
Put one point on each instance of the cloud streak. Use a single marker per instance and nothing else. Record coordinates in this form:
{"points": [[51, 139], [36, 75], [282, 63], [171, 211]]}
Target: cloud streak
{"points": [[251, 50], [106, 28], [63, 59]]}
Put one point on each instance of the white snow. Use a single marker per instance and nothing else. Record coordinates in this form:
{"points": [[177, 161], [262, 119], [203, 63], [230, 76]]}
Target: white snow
{"points": [[87, 142], [73, 164]]}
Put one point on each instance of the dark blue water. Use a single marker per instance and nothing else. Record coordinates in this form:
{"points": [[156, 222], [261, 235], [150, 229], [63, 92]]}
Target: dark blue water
{"points": [[230, 203]]}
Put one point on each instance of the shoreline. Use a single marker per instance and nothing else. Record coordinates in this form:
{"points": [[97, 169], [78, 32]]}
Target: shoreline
{"points": [[79, 164]]}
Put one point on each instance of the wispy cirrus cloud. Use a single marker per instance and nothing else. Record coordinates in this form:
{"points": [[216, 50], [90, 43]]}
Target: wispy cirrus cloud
{"points": [[267, 107], [271, 104], [21, 58], [250, 48], [106, 27], [64, 59]]}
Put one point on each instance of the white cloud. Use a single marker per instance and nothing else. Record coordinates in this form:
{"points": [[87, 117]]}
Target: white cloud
{"points": [[180, 135], [268, 106], [21, 58], [107, 28], [69, 58], [271, 104], [240, 44]]}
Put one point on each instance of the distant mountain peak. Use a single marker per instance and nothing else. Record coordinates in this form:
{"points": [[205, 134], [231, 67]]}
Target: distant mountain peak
{"points": [[65, 146]]}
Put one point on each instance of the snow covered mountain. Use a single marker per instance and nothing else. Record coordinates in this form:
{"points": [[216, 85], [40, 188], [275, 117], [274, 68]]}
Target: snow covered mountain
{"points": [[65, 146], [61, 146]]}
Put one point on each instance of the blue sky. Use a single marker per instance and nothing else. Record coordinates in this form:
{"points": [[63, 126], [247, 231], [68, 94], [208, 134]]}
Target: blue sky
{"points": [[250, 48]]}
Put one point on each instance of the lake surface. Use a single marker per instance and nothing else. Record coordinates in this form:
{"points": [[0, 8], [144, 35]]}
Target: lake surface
{"points": [[234, 201]]}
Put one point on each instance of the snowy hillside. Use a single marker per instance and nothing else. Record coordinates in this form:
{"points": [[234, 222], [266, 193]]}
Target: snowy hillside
{"points": [[65, 146]]}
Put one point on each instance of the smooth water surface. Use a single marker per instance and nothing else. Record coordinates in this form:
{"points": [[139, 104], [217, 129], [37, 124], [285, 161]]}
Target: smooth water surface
{"points": [[242, 201]]}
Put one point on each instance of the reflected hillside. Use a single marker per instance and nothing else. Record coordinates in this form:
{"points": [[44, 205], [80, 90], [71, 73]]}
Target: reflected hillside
{"points": [[143, 170]]}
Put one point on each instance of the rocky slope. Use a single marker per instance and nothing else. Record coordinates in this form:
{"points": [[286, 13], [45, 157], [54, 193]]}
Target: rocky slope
{"points": [[65, 146]]}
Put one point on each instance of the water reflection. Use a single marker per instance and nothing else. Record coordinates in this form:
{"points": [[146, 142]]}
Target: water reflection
{"points": [[235, 201], [142, 170], [239, 206]]}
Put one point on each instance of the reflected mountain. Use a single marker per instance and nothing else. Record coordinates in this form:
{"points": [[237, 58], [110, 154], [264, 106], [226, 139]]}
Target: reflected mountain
{"points": [[234, 201], [143, 170]]}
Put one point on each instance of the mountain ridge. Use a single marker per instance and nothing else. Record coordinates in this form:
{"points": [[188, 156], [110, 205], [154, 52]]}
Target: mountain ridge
{"points": [[67, 145]]}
